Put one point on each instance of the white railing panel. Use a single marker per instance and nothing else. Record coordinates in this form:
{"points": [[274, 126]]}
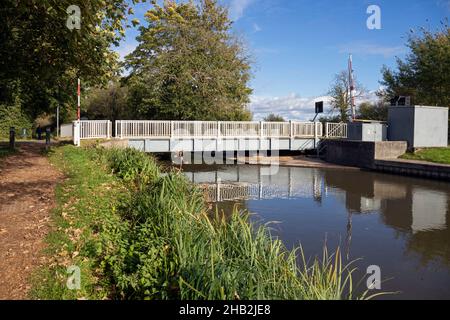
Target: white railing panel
{"points": [[277, 129], [336, 130]]}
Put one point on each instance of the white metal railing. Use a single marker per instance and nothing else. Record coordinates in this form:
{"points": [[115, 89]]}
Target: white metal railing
{"points": [[126, 129], [91, 129], [277, 129], [143, 129], [140, 129], [336, 130]]}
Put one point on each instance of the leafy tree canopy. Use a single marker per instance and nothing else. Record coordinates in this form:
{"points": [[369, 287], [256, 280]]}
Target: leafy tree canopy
{"points": [[425, 73], [41, 58], [188, 65]]}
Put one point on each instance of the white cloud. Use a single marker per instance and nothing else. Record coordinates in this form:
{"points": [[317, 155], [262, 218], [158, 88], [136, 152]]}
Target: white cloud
{"points": [[295, 107], [238, 7], [372, 49]]}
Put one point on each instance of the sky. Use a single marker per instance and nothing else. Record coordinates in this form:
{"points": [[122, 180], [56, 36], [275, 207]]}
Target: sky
{"points": [[299, 45]]}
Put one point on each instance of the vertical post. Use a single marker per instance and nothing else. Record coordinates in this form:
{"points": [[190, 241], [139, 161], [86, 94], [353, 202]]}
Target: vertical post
{"points": [[57, 121], [291, 129], [76, 133], [291, 135], [12, 138], [315, 135], [79, 100], [171, 129], [121, 129], [108, 123], [326, 129]]}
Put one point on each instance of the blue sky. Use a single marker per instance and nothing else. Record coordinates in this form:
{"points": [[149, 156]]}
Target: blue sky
{"points": [[298, 45]]}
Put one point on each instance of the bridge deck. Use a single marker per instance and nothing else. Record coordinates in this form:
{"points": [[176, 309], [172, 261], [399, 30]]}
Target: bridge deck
{"points": [[201, 136]]}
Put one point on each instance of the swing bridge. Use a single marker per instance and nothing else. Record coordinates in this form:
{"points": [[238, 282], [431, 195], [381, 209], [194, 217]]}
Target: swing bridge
{"points": [[210, 136]]}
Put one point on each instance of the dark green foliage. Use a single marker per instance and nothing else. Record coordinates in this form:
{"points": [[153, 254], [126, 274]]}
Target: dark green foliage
{"points": [[109, 103], [13, 116], [373, 111]]}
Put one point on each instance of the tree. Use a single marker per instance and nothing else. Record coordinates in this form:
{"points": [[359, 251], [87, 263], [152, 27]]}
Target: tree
{"points": [[109, 103], [340, 97], [425, 73], [188, 65], [41, 58], [373, 111], [274, 118]]}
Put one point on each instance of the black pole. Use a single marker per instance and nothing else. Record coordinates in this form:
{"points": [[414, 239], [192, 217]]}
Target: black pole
{"points": [[12, 138]]}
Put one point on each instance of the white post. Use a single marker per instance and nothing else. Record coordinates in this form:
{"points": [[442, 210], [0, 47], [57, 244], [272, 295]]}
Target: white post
{"points": [[108, 123], [315, 134], [76, 133]]}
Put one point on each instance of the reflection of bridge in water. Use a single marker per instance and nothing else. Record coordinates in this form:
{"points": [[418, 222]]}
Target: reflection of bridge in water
{"points": [[250, 183], [404, 203]]}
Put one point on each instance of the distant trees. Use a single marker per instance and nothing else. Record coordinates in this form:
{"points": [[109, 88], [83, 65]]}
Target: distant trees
{"points": [[188, 65], [274, 118], [425, 73], [109, 103], [340, 97], [373, 111]]}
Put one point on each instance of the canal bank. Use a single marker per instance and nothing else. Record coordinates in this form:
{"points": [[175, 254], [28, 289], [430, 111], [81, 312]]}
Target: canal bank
{"points": [[383, 156]]}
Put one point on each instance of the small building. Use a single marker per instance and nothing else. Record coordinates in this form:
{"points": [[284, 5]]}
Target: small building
{"points": [[367, 131], [420, 126]]}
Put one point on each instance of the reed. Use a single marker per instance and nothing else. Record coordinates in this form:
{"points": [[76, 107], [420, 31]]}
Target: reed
{"points": [[173, 249]]}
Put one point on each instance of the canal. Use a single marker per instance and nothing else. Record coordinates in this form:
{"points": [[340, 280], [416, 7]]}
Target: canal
{"points": [[398, 223]]}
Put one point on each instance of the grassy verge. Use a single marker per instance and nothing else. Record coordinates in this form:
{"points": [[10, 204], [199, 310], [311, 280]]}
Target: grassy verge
{"points": [[137, 234], [437, 155]]}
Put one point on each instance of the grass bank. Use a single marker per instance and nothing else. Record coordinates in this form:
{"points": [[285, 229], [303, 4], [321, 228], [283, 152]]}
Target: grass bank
{"points": [[437, 155], [138, 234]]}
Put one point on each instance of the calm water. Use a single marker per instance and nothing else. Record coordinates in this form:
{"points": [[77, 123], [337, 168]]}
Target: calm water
{"points": [[400, 224]]}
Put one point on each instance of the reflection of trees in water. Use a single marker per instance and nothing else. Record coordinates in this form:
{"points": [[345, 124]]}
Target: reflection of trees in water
{"points": [[417, 210]]}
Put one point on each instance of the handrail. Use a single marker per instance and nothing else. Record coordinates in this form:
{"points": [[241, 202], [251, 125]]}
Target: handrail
{"points": [[214, 129]]}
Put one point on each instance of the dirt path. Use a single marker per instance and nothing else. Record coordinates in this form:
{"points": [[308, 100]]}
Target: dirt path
{"points": [[27, 185]]}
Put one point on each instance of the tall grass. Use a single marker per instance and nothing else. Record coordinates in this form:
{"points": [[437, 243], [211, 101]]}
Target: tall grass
{"points": [[172, 249]]}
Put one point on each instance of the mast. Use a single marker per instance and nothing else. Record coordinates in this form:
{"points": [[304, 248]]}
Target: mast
{"points": [[78, 99], [351, 89]]}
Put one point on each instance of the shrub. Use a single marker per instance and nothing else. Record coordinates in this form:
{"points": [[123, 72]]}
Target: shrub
{"points": [[13, 116]]}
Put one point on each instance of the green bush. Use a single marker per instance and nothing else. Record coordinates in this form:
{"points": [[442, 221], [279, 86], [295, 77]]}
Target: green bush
{"points": [[131, 165], [13, 116]]}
